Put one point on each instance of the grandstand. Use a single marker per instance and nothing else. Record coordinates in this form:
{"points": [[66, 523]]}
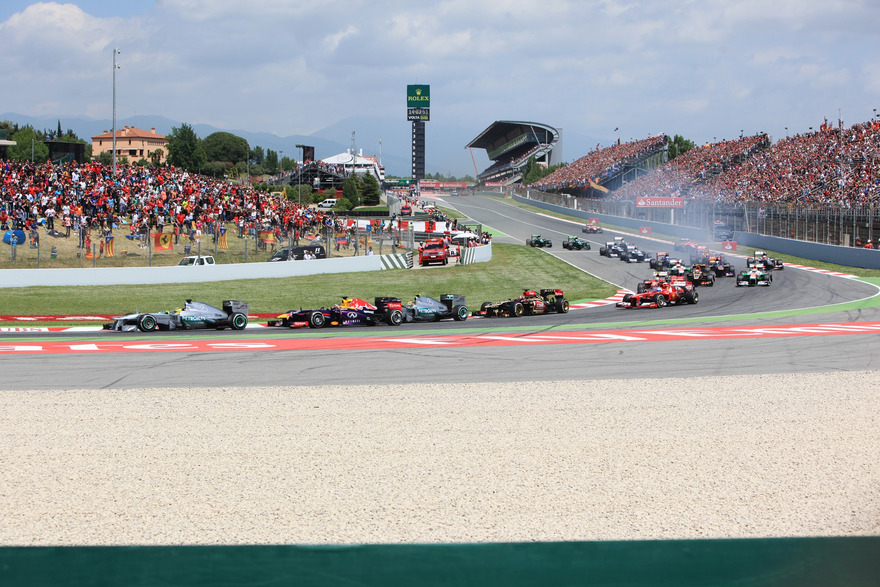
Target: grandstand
{"points": [[510, 144], [607, 169]]}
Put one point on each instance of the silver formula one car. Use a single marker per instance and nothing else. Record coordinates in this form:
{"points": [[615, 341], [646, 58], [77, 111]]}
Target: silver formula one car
{"points": [[193, 315]]}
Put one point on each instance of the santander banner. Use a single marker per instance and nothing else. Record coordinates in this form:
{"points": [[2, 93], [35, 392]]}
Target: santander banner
{"points": [[442, 184], [659, 202]]}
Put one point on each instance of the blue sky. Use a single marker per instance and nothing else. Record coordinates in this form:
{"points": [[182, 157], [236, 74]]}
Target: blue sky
{"points": [[704, 69]]}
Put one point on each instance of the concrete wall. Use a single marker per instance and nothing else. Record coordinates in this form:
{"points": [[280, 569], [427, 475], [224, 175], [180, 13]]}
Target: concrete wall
{"points": [[849, 256], [479, 254], [203, 273], [192, 274]]}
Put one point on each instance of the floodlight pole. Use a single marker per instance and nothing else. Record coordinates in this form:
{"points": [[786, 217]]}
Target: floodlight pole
{"points": [[115, 67], [299, 168]]}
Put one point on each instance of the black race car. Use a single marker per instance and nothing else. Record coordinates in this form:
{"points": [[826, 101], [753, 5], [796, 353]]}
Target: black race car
{"points": [[529, 303], [632, 254], [700, 274], [762, 260], [193, 315], [537, 240], [613, 248], [661, 261], [351, 312], [576, 244], [428, 309], [720, 267]]}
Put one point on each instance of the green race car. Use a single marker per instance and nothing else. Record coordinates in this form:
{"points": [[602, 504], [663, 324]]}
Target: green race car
{"points": [[536, 240], [576, 244]]}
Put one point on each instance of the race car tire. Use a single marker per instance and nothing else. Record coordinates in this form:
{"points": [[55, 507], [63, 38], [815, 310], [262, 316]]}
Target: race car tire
{"points": [[459, 313], [147, 323], [562, 306], [640, 288], [549, 245], [660, 300], [529, 243], [317, 320], [566, 246], [446, 261], [395, 318], [627, 298], [518, 309], [484, 309], [692, 297], [238, 321], [770, 277]]}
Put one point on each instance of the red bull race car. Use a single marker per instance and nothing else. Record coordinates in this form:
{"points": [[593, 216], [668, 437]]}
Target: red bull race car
{"points": [[350, 312]]}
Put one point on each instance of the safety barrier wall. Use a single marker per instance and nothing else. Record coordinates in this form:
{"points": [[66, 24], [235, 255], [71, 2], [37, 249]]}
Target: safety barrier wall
{"points": [[194, 274], [850, 256], [479, 254], [633, 223]]}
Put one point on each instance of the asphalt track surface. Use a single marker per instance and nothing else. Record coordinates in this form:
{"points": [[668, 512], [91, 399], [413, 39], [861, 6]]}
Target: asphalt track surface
{"points": [[795, 297]]}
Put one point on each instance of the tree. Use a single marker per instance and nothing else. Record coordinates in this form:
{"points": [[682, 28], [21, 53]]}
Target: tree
{"points": [[156, 157], [185, 148], [343, 204], [350, 192], [257, 155], [679, 145], [370, 191], [224, 146], [105, 158], [28, 144], [271, 162]]}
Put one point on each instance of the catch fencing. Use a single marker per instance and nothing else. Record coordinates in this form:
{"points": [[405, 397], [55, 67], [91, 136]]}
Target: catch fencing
{"points": [[818, 223]]}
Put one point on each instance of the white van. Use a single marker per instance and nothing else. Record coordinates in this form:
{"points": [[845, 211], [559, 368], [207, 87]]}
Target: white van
{"points": [[196, 261], [328, 203]]}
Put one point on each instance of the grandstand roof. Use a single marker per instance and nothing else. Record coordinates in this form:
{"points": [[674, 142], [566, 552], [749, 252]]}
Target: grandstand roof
{"points": [[501, 131]]}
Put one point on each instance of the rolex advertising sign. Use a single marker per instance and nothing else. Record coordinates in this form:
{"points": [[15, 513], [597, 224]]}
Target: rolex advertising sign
{"points": [[418, 102]]}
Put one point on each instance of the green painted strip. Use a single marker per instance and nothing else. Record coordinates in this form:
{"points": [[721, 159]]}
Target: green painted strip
{"points": [[808, 562]]}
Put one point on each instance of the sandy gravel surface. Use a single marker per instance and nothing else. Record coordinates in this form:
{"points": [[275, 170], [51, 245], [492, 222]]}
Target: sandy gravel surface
{"points": [[757, 456]]}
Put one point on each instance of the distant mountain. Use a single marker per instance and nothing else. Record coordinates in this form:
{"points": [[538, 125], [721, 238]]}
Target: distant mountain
{"points": [[445, 142]]}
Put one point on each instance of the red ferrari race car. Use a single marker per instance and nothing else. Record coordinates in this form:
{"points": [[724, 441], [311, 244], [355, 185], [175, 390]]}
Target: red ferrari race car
{"points": [[675, 291]]}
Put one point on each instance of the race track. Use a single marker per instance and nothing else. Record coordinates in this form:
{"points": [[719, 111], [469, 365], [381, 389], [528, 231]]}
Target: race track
{"points": [[750, 414], [795, 297]]}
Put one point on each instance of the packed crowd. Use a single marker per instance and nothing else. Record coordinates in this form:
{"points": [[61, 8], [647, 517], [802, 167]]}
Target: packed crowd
{"points": [[69, 197], [834, 166], [676, 177], [831, 166], [599, 164]]}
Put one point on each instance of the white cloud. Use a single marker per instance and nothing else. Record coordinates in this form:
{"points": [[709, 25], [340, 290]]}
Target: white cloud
{"points": [[696, 68]]}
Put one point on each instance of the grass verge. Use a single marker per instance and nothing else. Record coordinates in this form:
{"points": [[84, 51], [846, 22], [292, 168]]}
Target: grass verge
{"points": [[511, 269]]}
